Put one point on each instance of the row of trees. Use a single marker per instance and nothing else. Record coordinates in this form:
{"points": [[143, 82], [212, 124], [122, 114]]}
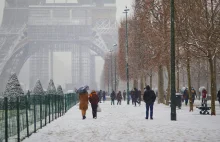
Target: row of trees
{"points": [[197, 35], [14, 89]]}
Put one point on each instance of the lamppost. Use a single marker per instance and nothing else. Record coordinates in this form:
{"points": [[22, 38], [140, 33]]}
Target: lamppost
{"points": [[127, 71], [111, 70], [115, 46], [172, 61]]}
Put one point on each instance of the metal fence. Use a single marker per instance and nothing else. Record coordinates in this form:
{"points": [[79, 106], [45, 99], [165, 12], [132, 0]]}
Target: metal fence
{"points": [[21, 116]]}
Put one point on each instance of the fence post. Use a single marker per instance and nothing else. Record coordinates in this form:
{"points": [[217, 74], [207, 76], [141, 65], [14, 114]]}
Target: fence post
{"points": [[35, 129], [55, 103], [58, 101], [65, 105], [6, 118], [26, 107], [45, 107], [49, 106], [52, 100], [18, 118], [41, 111]]}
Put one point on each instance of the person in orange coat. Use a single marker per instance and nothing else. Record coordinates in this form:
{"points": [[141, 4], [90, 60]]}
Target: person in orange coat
{"points": [[83, 103], [94, 100]]}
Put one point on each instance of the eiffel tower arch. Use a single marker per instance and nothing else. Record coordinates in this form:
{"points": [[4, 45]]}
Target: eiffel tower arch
{"points": [[33, 30]]}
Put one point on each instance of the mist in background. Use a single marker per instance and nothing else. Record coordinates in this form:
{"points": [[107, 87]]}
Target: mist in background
{"points": [[62, 61]]}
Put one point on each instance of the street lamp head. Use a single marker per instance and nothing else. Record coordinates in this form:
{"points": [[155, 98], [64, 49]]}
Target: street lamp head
{"points": [[115, 45]]}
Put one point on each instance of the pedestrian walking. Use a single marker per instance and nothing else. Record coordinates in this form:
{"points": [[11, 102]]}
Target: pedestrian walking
{"points": [[218, 95], [132, 96], [83, 102], [100, 96], [139, 96], [149, 98], [204, 95], [113, 95], [104, 96], [119, 98], [136, 97], [94, 100], [193, 92], [124, 95], [186, 96]]}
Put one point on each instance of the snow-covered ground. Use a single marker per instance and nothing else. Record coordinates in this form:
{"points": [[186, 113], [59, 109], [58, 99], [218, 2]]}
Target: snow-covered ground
{"points": [[127, 123]]}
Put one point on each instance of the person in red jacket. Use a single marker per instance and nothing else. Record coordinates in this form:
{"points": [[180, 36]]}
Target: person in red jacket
{"points": [[94, 100], [204, 95]]}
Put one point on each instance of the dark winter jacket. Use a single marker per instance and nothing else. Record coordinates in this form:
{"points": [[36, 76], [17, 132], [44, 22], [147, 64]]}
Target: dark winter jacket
{"points": [[124, 94], [119, 97], [218, 95], [93, 98], [186, 94], [149, 96], [113, 96], [136, 93]]}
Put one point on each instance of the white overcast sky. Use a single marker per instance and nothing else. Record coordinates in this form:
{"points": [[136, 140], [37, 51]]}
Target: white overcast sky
{"points": [[99, 61]]}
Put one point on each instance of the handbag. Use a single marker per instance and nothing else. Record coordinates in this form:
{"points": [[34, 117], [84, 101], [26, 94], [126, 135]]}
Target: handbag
{"points": [[99, 109]]}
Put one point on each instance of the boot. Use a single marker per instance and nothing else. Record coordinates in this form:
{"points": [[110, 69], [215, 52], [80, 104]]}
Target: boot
{"points": [[84, 117]]}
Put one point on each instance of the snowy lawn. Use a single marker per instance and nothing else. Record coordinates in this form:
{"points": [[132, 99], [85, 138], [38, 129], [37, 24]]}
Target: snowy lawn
{"points": [[127, 123]]}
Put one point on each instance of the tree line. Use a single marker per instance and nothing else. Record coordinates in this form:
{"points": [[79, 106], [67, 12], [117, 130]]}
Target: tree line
{"points": [[197, 43]]}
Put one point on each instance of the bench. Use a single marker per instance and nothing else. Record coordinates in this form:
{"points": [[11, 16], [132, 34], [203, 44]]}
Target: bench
{"points": [[204, 109]]}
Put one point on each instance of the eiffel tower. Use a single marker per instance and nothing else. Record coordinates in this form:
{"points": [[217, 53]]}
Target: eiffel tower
{"points": [[34, 29]]}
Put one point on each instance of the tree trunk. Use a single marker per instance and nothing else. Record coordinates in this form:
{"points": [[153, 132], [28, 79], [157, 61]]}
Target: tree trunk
{"points": [[214, 78], [135, 84], [151, 78], [207, 76], [211, 68], [189, 85], [160, 85], [178, 72], [142, 86], [198, 82], [168, 87]]}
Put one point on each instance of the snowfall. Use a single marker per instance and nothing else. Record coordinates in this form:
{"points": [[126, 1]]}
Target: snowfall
{"points": [[126, 123]]}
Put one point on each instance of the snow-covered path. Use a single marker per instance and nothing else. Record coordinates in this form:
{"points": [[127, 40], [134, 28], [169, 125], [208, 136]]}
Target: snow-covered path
{"points": [[127, 123]]}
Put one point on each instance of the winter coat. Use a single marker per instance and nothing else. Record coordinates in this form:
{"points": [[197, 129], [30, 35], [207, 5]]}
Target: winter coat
{"points": [[83, 101], [136, 94], [149, 97], [119, 97], [124, 94], [204, 93], [186, 94], [103, 95], [113, 96], [93, 98], [193, 93], [218, 95], [100, 95]]}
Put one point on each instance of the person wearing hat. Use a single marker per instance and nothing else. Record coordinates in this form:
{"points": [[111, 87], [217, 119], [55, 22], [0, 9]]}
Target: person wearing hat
{"points": [[94, 100]]}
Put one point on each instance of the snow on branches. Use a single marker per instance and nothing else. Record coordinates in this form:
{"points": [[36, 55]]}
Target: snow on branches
{"points": [[60, 90], [51, 88], [38, 89], [13, 87]]}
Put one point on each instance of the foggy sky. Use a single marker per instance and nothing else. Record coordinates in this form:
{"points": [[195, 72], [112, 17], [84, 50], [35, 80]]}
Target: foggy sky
{"points": [[62, 58]]}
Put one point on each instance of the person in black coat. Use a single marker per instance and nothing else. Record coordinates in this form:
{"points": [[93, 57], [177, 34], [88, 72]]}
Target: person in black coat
{"points": [[113, 96], [149, 98], [219, 96], [136, 92]]}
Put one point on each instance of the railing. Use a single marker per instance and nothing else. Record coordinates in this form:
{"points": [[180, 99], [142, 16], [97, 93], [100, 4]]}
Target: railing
{"points": [[21, 116]]}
